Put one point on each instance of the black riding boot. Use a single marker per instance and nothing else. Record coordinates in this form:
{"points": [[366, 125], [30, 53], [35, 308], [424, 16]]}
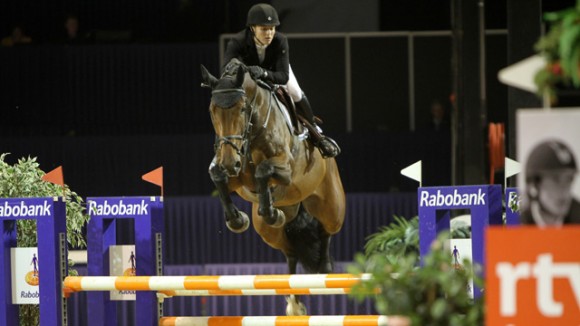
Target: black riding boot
{"points": [[327, 146]]}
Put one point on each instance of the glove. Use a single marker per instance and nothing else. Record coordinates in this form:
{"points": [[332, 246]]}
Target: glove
{"points": [[257, 72]]}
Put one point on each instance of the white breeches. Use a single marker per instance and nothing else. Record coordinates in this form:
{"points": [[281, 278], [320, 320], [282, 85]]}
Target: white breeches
{"points": [[293, 87]]}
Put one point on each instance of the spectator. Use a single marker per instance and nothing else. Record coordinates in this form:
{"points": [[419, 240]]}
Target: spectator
{"points": [[438, 117], [18, 36], [73, 34]]}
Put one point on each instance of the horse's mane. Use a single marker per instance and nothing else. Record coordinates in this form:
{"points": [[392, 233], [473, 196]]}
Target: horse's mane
{"points": [[231, 68], [229, 87]]}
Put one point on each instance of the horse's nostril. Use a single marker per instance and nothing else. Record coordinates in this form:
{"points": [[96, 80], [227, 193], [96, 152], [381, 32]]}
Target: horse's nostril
{"points": [[238, 165]]}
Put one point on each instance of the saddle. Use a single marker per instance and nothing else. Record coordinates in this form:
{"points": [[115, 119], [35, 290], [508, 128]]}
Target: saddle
{"points": [[299, 122], [283, 96]]}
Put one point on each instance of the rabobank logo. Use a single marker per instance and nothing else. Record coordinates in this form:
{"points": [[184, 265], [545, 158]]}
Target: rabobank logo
{"points": [[118, 208], [23, 209], [32, 277], [439, 199]]}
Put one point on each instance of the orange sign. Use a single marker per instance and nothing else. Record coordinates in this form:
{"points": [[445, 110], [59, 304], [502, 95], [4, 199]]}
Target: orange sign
{"points": [[532, 276]]}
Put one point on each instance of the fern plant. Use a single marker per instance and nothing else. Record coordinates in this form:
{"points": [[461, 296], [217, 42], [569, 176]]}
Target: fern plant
{"points": [[435, 293], [432, 294], [398, 239], [23, 179], [401, 238]]}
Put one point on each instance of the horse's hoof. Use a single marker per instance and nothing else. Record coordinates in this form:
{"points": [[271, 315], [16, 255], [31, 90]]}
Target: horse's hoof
{"points": [[238, 226], [326, 267], [278, 218], [294, 307]]}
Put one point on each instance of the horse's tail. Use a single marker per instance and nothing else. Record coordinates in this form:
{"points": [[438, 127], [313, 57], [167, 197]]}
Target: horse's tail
{"points": [[303, 233]]}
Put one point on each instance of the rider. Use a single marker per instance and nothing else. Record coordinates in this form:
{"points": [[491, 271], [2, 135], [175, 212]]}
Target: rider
{"points": [[265, 52]]}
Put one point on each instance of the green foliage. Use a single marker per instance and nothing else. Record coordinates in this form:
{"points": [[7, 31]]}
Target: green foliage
{"points": [[22, 180], [561, 49], [395, 240], [401, 238], [514, 203], [433, 294]]}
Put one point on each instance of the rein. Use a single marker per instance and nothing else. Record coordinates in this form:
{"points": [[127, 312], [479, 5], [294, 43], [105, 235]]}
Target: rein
{"points": [[245, 137]]}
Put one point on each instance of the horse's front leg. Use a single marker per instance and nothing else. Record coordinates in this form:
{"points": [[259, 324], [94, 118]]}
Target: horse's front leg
{"points": [[236, 220], [271, 215]]}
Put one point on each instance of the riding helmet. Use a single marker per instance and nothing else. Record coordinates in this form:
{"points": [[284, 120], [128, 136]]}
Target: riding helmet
{"points": [[549, 156], [262, 14]]}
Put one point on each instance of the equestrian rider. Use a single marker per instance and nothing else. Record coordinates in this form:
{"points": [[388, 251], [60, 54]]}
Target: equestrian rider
{"points": [[265, 52]]}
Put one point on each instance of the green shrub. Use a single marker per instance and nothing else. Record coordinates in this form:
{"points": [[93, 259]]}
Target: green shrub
{"points": [[23, 179], [435, 293]]}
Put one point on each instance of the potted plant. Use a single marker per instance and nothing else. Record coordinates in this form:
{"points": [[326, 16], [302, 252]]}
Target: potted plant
{"points": [[434, 293], [23, 179], [560, 47]]}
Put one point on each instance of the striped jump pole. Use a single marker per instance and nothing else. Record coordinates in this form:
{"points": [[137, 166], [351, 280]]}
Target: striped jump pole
{"points": [[202, 293], [354, 320], [216, 282]]}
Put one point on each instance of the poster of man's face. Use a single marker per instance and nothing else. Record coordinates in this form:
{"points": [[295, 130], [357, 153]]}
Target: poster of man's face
{"points": [[548, 147]]}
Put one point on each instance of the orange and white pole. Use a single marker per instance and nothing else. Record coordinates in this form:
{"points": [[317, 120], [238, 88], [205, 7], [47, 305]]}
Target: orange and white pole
{"points": [[223, 282], [354, 320], [194, 293]]}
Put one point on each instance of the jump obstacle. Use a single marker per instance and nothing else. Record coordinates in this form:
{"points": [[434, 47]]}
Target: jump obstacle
{"points": [[304, 284], [216, 282], [197, 293], [148, 214], [149, 228], [356, 320]]}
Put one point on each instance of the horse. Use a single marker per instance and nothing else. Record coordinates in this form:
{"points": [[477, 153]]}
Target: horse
{"points": [[297, 197]]}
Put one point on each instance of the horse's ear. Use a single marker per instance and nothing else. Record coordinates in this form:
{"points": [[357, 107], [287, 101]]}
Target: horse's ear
{"points": [[208, 79], [240, 76]]}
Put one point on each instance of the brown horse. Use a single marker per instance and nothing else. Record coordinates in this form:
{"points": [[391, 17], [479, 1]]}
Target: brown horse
{"points": [[297, 195]]}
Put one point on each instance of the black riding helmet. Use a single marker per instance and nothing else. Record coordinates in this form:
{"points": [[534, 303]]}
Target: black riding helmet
{"points": [[262, 14], [549, 156]]}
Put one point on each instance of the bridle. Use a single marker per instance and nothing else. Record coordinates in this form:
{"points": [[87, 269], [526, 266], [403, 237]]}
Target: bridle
{"points": [[246, 136]]}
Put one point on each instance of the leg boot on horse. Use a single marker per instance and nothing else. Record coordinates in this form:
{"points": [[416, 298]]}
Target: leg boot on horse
{"points": [[237, 221]]}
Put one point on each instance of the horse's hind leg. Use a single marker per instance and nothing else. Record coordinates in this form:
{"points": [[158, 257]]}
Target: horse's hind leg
{"points": [[326, 264], [294, 307], [236, 220]]}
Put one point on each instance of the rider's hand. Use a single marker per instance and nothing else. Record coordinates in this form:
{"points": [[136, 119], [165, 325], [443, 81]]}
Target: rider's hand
{"points": [[257, 72]]}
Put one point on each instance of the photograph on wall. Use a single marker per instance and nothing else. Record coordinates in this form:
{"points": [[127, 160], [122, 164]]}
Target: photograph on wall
{"points": [[548, 147]]}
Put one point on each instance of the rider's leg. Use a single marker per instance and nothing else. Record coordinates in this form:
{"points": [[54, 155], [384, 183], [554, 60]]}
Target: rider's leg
{"points": [[327, 146]]}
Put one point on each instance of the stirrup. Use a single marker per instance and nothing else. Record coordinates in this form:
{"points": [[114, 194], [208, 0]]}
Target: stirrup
{"points": [[328, 147]]}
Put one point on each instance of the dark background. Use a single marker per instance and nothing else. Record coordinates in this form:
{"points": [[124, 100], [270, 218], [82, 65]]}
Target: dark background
{"points": [[205, 20], [113, 109]]}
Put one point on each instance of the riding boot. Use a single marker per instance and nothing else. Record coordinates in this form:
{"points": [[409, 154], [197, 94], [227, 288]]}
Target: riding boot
{"points": [[326, 145]]}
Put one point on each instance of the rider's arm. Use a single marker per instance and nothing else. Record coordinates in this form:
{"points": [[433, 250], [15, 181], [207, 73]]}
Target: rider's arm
{"points": [[281, 64], [235, 49]]}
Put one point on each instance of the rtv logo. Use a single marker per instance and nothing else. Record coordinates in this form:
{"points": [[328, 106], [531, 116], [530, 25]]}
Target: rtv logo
{"points": [[532, 276], [544, 271]]}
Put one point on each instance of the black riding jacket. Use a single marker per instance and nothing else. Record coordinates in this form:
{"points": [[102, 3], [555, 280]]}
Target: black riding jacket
{"points": [[277, 59]]}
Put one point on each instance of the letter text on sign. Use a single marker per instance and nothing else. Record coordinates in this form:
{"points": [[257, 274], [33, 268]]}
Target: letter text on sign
{"points": [[533, 276]]}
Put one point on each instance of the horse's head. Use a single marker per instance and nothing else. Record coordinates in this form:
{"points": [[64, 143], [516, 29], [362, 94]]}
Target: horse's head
{"points": [[229, 115]]}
